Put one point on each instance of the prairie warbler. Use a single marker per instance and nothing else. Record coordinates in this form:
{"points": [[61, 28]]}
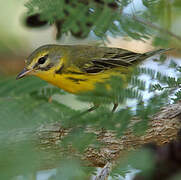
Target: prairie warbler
{"points": [[77, 68]]}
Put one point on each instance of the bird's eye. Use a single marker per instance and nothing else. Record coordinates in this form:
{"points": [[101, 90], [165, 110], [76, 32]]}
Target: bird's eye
{"points": [[42, 59]]}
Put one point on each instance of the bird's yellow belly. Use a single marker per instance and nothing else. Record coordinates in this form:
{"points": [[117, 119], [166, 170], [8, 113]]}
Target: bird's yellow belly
{"points": [[77, 83]]}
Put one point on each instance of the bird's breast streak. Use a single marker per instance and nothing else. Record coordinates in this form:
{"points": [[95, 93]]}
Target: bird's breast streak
{"points": [[74, 82]]}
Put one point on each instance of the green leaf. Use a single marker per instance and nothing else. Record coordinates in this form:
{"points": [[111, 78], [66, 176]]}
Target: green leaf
{"points": [[11, 86], [140, 160], [25, 111], [72, 169], [18, 159]]}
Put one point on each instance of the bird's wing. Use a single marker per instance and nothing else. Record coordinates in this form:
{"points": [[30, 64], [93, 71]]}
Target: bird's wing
{"points": [[96, 59], [111, 58]]}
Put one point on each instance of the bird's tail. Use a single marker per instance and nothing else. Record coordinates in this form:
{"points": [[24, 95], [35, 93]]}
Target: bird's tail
{"points": [[146, 55], [159, 51]]}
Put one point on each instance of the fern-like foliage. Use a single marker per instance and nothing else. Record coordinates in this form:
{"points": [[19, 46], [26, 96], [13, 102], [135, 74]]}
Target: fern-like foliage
{"points": [[103, 17], [82, 17], [25, 103]]}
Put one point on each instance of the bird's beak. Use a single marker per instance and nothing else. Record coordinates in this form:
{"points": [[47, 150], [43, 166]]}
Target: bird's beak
{"points": [[23, 73]]}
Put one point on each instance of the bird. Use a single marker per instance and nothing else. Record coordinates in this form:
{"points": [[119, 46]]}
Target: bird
{"points": [[78, 68]]}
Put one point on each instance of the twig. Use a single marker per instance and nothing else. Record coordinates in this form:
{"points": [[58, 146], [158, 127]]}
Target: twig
{"points": [[154, 26], [104, 173]]}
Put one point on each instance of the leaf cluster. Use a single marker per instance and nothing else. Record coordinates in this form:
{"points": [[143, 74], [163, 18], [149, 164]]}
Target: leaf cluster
{"points": [[82, 17], [100, 18]]}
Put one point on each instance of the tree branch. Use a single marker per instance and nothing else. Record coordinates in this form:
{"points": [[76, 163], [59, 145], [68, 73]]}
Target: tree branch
{"points": [[163, 127]]}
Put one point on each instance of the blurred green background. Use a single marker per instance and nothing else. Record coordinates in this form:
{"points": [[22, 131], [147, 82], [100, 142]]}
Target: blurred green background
{"points": [[24, 109]]}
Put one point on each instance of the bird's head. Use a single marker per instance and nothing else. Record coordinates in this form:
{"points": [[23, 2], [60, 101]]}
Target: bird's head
{"points": [[45, 59]]}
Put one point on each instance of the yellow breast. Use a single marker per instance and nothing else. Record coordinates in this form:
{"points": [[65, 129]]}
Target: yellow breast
{"points": [[77, 83]]}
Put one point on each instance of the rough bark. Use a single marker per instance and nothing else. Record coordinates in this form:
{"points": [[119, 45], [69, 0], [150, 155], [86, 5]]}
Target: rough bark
{"points": [[163, 127]]}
